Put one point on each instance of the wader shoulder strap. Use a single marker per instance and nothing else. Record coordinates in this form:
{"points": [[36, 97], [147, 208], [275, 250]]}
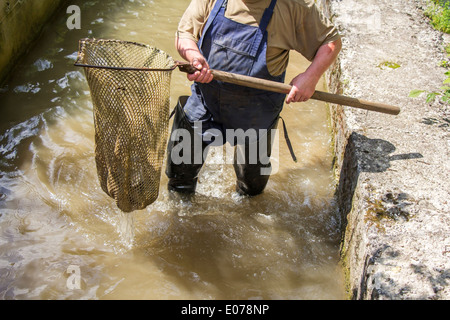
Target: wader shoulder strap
{"points": [[288, 141], [265, 20], [268, 13], [219, 4]]}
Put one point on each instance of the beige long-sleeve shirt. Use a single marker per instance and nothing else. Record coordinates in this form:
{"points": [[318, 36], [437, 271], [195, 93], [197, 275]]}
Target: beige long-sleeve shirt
{"points": [[295, 25]]}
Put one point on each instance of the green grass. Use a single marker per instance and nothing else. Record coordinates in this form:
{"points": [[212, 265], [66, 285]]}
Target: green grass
{"points": [[439, 13]]}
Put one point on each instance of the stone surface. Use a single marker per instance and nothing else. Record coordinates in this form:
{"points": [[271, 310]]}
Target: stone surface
{"points": [[393, 171]]}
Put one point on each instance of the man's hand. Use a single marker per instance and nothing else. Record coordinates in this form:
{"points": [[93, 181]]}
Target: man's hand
{"points": [[303, 87], [188, 49], [203, 75]]}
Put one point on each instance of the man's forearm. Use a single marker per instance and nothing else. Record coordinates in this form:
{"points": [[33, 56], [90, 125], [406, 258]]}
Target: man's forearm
{"points": [[325, 56], [304, 85], [187, 49]]}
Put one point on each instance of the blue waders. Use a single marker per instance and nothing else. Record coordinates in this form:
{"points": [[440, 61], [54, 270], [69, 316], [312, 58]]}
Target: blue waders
{"points": [[218, 107]]}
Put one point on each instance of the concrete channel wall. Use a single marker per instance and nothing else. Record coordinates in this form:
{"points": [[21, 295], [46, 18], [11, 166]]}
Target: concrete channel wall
{"points": [[21, 22], [392, 172]]}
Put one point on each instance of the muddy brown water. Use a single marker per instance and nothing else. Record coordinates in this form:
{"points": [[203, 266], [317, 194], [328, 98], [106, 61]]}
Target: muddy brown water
{"points": [[61, 237]]}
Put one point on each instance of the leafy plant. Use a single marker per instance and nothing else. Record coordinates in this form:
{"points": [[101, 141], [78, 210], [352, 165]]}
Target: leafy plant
{"points": [[444, 90], [431, 96], [439, 13]]}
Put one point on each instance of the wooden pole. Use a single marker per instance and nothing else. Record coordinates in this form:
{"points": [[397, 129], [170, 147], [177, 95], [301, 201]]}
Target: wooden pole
{"points": [[318, 95]]}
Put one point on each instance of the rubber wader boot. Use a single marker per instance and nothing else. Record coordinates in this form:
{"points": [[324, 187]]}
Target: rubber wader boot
{"points": [[253, 175], [183, 176]]}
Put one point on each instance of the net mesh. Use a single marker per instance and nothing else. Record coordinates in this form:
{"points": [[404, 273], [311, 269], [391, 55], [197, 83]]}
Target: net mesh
{"points": [[131, 117]]}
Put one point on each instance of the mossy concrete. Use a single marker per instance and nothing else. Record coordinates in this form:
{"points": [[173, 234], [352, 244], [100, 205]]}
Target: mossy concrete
{"points": [[393, 172], [21, 23]]}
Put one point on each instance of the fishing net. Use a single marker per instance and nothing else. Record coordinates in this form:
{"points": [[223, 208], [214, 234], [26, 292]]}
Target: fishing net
{"points": [[131, 116]]}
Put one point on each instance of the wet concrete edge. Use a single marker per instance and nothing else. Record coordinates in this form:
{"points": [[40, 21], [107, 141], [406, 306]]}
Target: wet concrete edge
{"points": [[392, 182], [21, 25]]}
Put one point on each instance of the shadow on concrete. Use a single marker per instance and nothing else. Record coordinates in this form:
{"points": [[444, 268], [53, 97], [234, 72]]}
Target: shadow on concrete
{"points": [[365, 155], [441, 123], [370, 155], [374, 155], [390, 289]]}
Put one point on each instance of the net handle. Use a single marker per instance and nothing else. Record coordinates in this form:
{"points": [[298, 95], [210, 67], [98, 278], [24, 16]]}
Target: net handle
{"points": [[124, 68]]}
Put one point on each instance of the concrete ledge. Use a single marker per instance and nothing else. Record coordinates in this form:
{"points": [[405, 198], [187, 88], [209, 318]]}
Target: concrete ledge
{"points": [[21, 21], [393, 171]]}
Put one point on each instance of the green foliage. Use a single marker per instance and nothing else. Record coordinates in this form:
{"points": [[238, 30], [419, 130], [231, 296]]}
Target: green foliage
{"points": [[446, 89], [444, 64], [439, 13], [444, 92]]}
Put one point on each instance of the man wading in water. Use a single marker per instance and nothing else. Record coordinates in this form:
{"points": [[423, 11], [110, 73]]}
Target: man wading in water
{"points": [[253, 38]]}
